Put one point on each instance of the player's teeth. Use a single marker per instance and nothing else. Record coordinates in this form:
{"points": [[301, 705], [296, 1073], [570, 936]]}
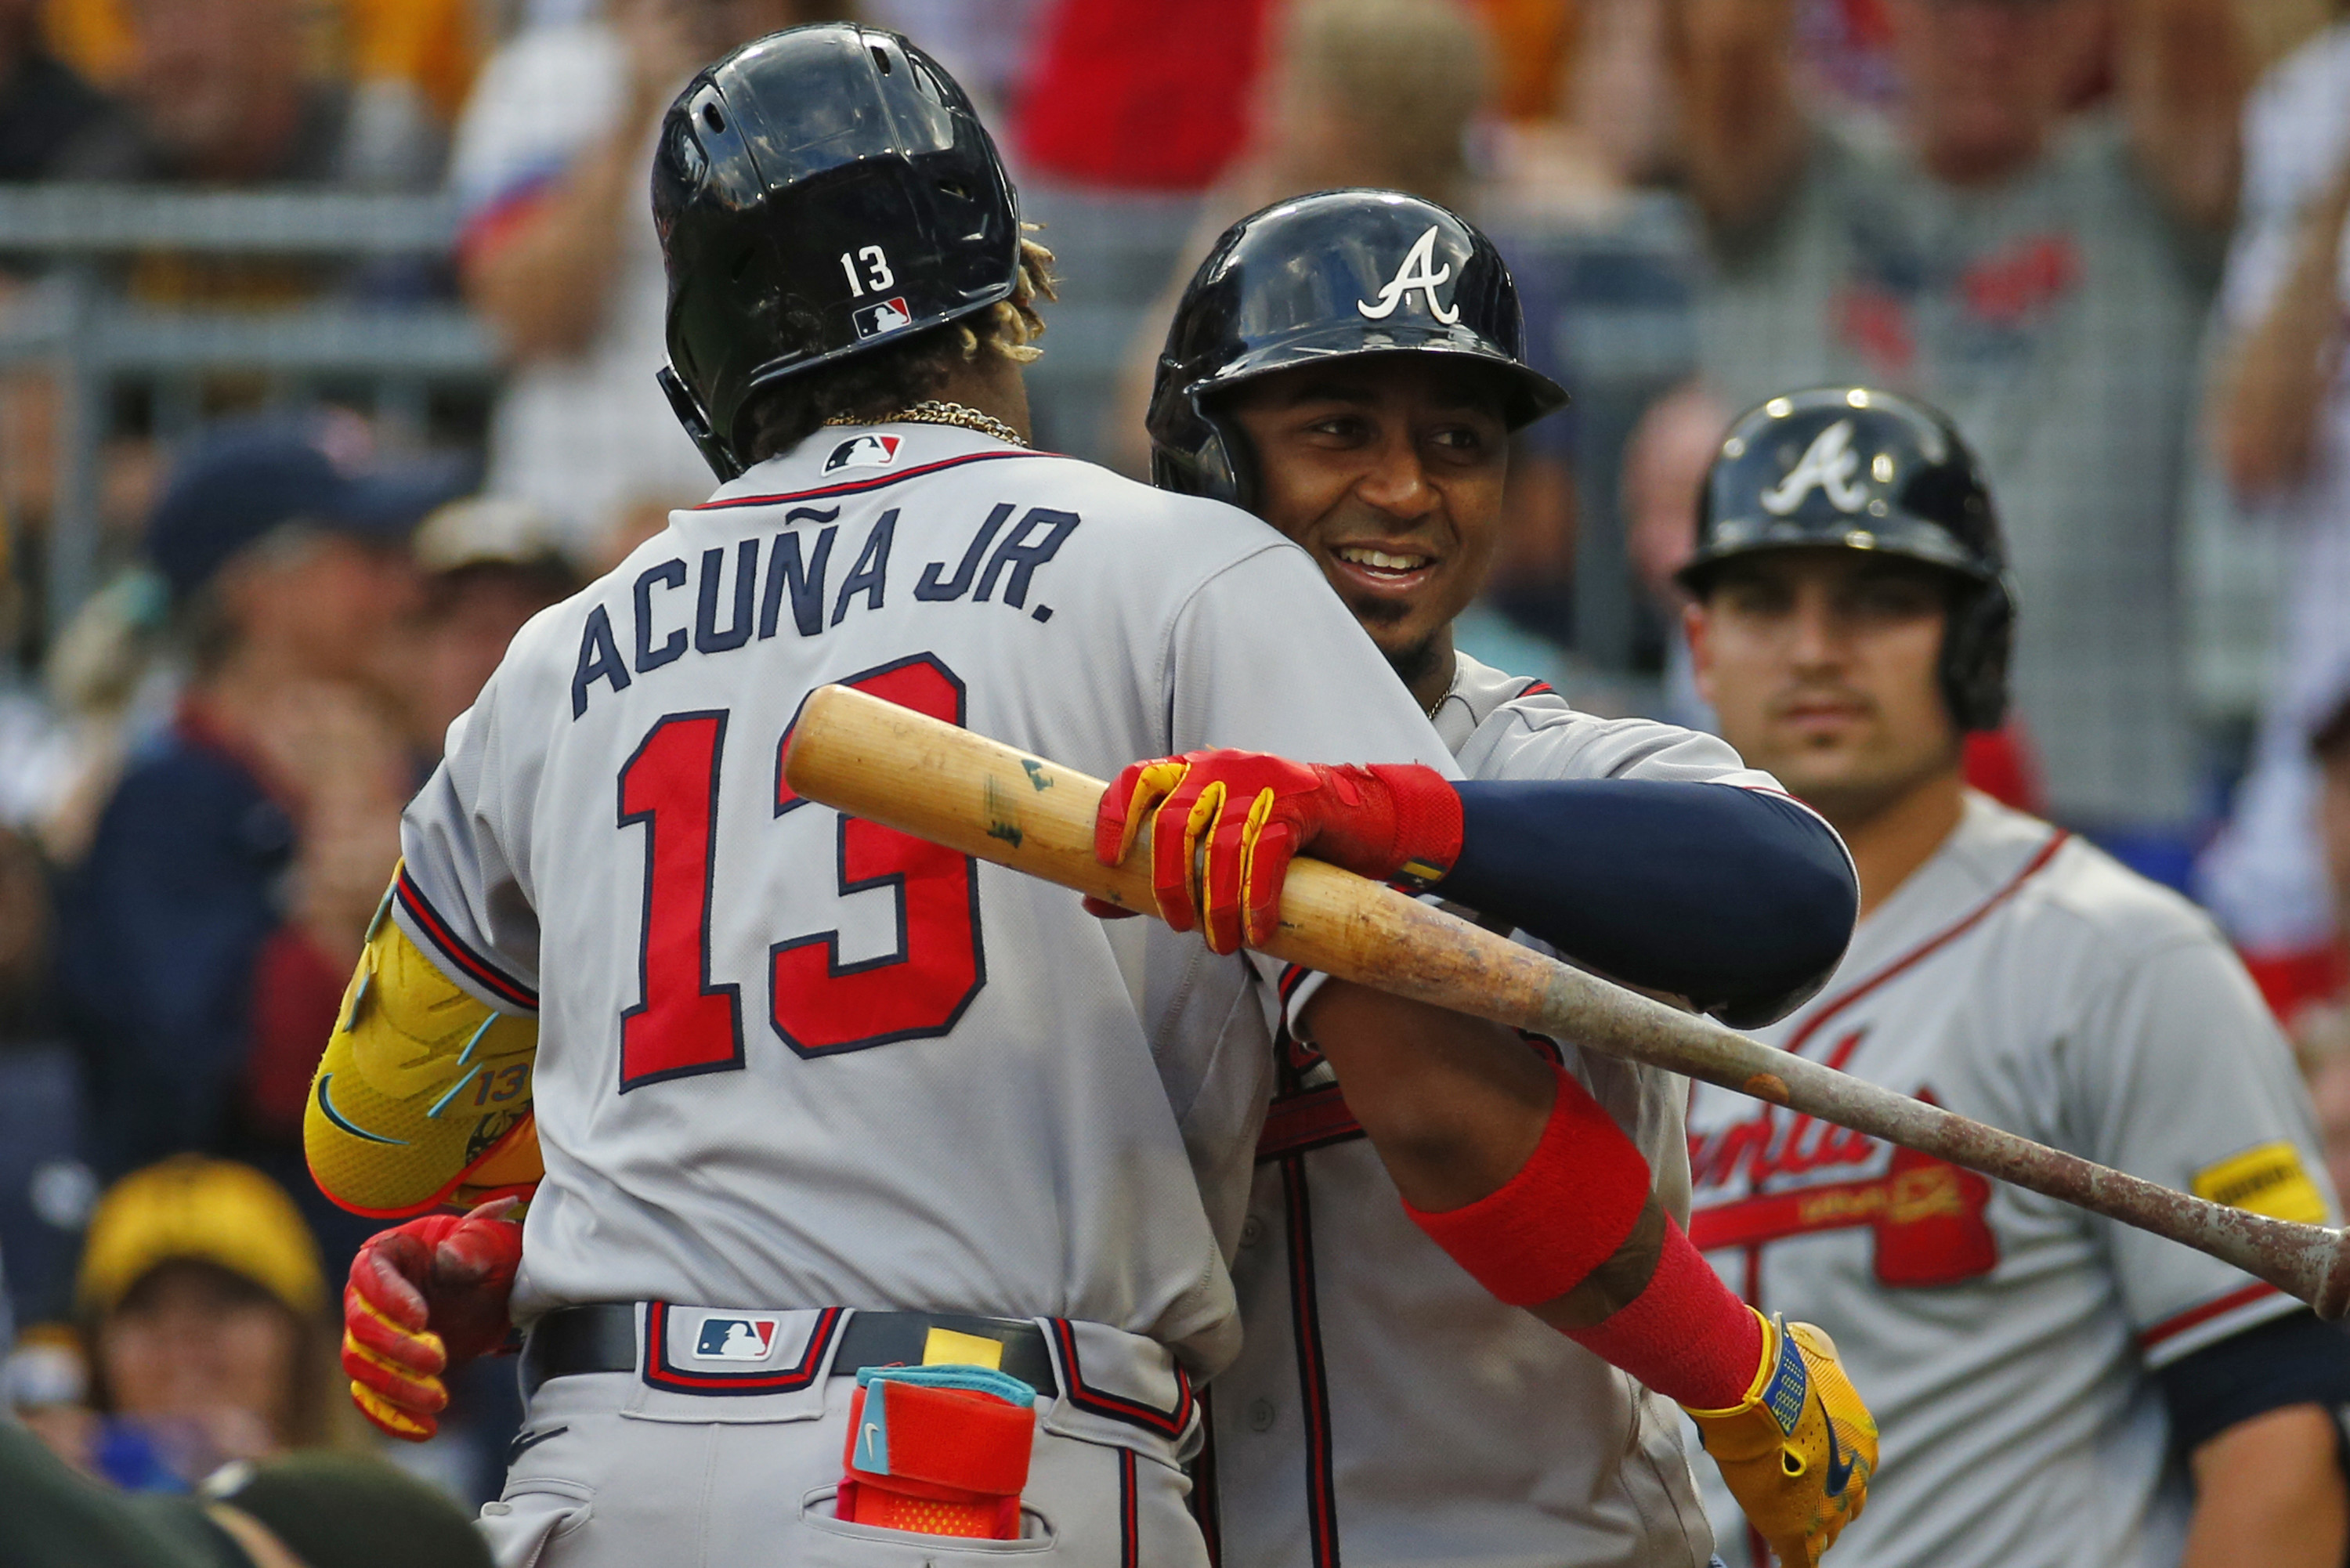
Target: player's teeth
{"points": [[1381, 559]]}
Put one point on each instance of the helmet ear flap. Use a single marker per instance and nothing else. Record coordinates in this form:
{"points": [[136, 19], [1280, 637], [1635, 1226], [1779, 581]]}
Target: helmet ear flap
{"points": [[1227, 464], [1975, 651]]}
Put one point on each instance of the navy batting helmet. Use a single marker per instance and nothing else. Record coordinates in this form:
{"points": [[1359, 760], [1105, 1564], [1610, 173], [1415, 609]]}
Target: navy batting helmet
{"points": [[1333, 276], [822, 191], [1858, 469]]}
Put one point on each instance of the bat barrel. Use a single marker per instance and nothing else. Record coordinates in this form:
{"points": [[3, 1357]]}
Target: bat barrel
{"points": [[906, 770]]}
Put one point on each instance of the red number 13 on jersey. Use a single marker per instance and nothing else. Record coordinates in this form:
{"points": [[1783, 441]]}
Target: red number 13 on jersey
{"points": [[685, 1023]]}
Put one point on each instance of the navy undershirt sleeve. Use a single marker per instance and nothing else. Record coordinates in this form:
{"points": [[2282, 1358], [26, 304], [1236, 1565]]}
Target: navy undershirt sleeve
{"points": [[1741, 900], [2287, 1361]]}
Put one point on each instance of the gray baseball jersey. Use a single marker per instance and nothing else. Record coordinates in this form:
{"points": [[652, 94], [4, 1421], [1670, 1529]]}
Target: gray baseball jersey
{"points": [[791, 1059], [2003, 1340], [1384, 1403]]}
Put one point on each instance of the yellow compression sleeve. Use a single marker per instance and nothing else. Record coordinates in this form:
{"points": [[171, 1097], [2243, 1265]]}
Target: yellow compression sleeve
{"points": [[423, 1095]]}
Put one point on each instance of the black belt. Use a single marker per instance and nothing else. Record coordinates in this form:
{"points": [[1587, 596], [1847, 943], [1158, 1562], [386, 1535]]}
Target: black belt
{"points": [[603, 1338]]}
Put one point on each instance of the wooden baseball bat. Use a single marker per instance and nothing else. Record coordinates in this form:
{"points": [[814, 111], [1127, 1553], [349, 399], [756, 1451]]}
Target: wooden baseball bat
{"points": [[915, 773]]}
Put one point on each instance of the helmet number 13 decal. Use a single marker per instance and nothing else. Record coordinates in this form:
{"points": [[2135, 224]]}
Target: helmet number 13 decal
{"points": [[876, 276]]}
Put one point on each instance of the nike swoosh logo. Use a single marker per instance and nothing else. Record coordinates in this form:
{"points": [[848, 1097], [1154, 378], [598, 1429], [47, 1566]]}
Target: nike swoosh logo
{"points": [[1840, 1464], [526, 1442], [344, 1122]]}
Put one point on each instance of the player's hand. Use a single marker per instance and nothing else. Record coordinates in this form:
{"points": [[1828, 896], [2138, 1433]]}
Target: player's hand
{"points": [[1799, 1451], [1226, 824], [425, 1299]]}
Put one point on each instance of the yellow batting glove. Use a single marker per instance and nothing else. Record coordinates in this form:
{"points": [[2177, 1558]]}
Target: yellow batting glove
{"points": [[1798, 1451]]}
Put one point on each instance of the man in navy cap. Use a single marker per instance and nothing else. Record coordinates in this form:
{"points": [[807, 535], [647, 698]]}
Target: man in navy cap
{"points": [[205, 941]]}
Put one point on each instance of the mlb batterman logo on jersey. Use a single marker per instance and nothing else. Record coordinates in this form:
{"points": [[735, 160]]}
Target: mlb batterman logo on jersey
{"points": [[735, 1339], [864, 452]]}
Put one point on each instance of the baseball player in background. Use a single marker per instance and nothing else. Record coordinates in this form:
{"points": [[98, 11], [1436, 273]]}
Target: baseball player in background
{"points": [[1385, 1408], [936, 1247], [2057, 1390]]}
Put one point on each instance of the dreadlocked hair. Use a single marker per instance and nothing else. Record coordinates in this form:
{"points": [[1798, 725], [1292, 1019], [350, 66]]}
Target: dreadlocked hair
{"points": [[870, 385]]}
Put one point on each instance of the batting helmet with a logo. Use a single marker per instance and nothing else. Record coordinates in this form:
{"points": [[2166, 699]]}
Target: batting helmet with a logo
{"points": [[1855, 468], [823, 192], [1333, 276]]}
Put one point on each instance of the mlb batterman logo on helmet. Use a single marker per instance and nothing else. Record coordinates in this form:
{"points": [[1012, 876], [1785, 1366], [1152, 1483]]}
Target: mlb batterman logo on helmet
{"points": [[1333, 275], [1856, 468]]}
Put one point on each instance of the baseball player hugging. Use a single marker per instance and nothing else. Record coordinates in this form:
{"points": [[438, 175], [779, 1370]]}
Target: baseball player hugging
{"points": [[882, 1202], [1348, 366], [2056, 1390]]}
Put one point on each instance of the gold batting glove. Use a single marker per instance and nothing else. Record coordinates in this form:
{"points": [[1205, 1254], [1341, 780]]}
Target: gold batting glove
{"points": [[1798, 1451]]}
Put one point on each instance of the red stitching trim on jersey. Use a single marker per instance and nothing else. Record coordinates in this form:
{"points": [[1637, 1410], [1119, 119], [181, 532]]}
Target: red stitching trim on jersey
{"points": [[1536, 689], [1313, 1377], [2057, 837], [1130, 1527], [859, 486], [1311, 1120], [477, 968], [1117, 1406], [1207, 1512], [661, 1374], [2219, 1306]]}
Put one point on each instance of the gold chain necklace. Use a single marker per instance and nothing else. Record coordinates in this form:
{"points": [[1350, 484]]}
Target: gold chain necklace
{"points": [[931, 411]]}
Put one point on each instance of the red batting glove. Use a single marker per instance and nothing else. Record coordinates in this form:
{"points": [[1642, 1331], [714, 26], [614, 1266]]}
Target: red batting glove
{"points": [[1226, 824], [425, 1299]]}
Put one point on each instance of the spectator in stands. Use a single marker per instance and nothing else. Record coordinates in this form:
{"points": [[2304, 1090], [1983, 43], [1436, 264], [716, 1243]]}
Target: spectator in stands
{"points": [[987, 46], [220, 94], [205, 941], [2280, 417], [44, 1190], [45, 108], [306, 1511], [558, 253], [200, 1309], [1359, 92], [2041, 275], [1136, 95], [489, 564], [2316, 1012]]}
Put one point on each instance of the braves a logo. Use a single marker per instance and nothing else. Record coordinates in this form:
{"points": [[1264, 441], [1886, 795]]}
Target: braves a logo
{"points": [[1418, 271], [1831, 466]]}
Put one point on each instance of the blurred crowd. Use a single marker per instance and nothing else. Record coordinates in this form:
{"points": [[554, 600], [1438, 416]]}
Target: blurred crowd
{"points": [[2107, 234]]}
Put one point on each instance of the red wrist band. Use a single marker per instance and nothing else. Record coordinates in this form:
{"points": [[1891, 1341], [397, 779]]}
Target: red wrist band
{"points": [[1686, 1337], [1426, 822], [1566, 1211]]}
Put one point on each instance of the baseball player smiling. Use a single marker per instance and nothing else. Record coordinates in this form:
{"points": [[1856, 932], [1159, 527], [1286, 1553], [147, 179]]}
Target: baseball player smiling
{"points": [[1386, 1409]]}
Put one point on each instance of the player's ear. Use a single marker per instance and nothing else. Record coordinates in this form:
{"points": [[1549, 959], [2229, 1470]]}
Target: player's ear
{"points": [[1697, 627]]}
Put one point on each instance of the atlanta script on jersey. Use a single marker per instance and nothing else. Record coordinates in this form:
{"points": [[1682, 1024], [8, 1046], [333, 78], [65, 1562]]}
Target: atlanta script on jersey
{"points": [[2022, 978]]}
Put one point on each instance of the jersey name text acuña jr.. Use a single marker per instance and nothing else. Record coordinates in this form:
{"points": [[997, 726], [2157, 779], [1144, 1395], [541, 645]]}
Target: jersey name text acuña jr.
{"points": [[794, 1059]]}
